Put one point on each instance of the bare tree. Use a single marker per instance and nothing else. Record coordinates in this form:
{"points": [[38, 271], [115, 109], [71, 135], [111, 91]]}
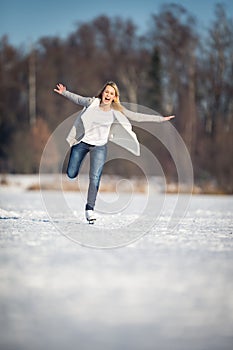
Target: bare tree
{"points": [[13, 97], [216, 85], [175, 36], [215, 98]]}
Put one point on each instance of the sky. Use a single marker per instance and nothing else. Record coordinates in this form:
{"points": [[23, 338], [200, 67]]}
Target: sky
{"points": [[26, 21]]}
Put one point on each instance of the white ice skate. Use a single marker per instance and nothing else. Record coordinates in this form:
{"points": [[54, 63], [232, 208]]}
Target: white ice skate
{"points": [[90, 216]]}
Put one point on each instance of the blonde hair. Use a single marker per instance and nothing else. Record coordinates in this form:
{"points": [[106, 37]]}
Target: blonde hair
{"points": [[116, 102]]}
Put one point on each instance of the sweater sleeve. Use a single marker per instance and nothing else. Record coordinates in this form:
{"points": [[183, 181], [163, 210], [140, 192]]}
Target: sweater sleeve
{"points": [[79, 100], [141, 117]]}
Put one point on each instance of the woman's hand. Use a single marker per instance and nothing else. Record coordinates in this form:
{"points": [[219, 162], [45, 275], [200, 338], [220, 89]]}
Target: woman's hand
{"points": [[169, 117], [60, 89]]}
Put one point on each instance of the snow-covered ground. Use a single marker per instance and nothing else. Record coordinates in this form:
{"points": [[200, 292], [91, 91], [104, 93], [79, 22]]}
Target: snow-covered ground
{"points": [[165, 288]]}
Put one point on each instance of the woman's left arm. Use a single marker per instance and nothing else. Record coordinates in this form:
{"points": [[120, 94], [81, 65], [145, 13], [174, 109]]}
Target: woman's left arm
{"points": [[141, 117]]}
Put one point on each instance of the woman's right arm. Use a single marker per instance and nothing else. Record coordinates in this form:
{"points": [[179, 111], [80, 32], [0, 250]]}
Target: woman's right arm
{"points": [[80, 100]]}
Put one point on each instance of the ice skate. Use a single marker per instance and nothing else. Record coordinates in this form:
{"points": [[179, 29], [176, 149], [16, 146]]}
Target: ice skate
{"points": [[90, 216]]}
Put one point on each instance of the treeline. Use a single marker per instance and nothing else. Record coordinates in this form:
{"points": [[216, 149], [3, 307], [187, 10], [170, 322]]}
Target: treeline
{"points": [[173, 68]]}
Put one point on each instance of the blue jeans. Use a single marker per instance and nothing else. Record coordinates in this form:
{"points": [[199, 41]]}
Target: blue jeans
{"points": [[98, 156]]}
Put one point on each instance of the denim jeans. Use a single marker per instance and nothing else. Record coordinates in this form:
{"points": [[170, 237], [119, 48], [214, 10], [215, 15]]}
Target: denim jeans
{"points": [[98, 156]]}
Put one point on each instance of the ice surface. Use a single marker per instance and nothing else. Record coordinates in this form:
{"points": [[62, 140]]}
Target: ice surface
{"points": [[167, 289]]}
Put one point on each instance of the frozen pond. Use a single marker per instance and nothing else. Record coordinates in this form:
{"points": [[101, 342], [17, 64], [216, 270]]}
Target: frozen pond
{"points": [[166, 290]]}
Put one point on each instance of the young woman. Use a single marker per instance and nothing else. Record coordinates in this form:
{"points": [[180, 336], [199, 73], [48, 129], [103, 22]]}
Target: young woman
{"points": [[103, 118]]}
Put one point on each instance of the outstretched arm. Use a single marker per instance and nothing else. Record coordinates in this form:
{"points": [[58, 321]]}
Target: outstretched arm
{"points": [[79, 100], [141, 117]]}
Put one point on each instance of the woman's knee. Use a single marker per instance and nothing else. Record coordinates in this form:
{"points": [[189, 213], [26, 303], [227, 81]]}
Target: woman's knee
{"points": [[95, 180], [71, 173]]}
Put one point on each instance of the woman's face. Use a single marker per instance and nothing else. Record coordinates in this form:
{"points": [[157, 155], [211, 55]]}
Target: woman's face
{"points": [[108, 95]]}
